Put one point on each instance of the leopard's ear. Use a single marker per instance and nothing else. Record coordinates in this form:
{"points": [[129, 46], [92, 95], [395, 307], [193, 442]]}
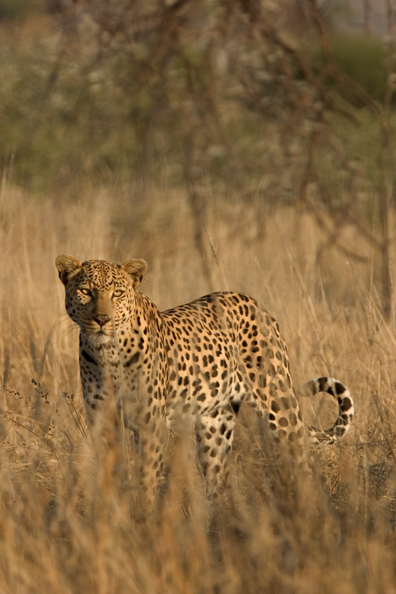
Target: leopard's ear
{"points": [[136, 268], [67, 266]]}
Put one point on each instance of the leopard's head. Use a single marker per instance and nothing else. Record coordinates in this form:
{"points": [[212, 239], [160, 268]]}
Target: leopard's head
{"points": [[100, 295]]}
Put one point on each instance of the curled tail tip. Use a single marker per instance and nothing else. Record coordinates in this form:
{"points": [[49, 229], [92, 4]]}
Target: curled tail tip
{"points": [[346, 409]]}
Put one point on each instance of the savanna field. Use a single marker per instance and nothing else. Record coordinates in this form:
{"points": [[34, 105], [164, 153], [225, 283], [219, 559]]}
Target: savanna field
{"points": [[289, 211]]}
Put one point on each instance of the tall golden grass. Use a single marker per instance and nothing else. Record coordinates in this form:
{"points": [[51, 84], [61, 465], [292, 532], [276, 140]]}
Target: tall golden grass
{"points": [[67, 521]]}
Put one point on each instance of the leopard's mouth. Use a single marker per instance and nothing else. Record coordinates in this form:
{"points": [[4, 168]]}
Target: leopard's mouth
{"points": [[99, 334]]}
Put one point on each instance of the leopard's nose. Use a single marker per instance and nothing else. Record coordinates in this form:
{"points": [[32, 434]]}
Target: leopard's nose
{"points": [[101, 319]]}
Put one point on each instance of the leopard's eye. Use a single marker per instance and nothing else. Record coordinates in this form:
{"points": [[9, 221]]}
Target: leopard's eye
{"points": [[85, 291], [118, 293]]}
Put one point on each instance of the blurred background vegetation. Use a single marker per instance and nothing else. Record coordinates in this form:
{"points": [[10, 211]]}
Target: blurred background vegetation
{"points": [[268, 103]]}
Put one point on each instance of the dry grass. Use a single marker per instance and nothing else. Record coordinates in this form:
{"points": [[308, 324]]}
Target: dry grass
{"points": [[68, 523]]}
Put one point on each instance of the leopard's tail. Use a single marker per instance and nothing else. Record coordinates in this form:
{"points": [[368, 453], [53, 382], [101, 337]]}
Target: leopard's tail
{"points": [[345, 408]]}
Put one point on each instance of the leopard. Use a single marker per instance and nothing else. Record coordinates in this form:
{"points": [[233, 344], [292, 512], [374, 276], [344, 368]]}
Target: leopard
{"points": [[197, 362]]}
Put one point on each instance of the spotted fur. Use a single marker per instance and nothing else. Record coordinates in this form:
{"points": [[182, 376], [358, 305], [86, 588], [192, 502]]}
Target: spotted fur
{"points": [[198, 361]]}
